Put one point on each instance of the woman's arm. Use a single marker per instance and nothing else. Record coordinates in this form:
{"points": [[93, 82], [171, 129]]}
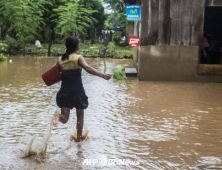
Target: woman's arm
{"points": [[91, 70]]}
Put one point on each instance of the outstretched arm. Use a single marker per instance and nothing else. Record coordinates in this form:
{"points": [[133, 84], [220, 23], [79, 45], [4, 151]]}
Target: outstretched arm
{"points": [[91, 70]]}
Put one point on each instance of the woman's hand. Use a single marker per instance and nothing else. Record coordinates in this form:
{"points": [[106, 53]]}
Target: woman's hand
{"points": [[107, 76]]}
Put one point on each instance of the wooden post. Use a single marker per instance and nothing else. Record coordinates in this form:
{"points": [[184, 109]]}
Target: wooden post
{"points": [[186, 19], [197, 22], [153, 22], [50, 43], [175, 13], [144, 22], [164, 22]]}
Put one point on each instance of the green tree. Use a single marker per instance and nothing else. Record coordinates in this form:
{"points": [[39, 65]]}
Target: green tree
{"points": [[24, 17], [117, 18], [49, 17], [73, 18], [100, 16]]}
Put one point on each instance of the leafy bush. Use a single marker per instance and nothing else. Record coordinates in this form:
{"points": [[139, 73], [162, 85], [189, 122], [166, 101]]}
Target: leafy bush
{"points": [[117, 38], [87, 42], [118, 73], [2, 57], [3, 47], [111, 50], [111, 46], [97, 41], [92, 51], [13, 44]]}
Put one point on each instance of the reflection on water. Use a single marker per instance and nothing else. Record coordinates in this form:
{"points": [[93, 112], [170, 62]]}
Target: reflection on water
{"points": [[164, 125]]}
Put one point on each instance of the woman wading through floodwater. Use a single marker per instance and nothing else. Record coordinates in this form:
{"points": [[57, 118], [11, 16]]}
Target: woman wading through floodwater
{"points": [[72, 94]]}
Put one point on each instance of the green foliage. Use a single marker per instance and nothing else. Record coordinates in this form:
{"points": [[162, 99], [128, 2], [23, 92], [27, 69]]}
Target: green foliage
{"points": [[111, 46], [3, 47], [56, 50], [100, 16], [27, 20], [117, 38], [116, 19], [73, 18], [87, 50], [118, 73], [117, 5], [2, 57], [111, 49], [114, 51], [13, 44], [24, 17]]}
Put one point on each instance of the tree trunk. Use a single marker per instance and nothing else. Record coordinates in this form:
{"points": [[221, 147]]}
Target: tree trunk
{"points": [[104, 52], [1, 31], [106, 42], [23, 48], [50, 43], [93, 36], [111, 35]]}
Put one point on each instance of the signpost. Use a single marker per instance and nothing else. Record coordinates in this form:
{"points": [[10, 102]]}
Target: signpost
{"points": [[134, 41], [133, 12]]}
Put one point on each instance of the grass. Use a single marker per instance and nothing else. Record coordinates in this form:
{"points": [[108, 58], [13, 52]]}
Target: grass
{"points": [[2, 57], [56, 50], [87, 50]]}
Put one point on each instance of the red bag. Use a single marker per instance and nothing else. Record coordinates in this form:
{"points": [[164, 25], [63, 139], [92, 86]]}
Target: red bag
{"points": [[52, 76]]}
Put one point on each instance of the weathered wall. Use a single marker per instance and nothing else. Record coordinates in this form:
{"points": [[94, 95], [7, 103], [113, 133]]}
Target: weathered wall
{"points": [[168, 63], [129, 30], [213, 2], [171, 63], [136, 53], [136, 49], [172, 22]]}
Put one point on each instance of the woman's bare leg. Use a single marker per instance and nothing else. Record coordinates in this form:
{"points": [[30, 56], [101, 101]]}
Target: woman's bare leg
{"points": [[79, 125], [63, 117]]}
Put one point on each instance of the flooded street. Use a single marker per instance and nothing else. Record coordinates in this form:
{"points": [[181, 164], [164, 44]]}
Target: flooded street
{"points": [[163, 125]]}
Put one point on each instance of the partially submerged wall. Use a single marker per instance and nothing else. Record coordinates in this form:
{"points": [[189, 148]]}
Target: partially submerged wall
{"points": [[171, 35], [171, 63]]}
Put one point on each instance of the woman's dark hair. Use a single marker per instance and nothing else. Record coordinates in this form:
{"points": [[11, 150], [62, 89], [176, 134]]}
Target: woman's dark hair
{"points": [[71, 43]]}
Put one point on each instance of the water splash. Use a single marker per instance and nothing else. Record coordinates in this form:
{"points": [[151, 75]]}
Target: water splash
{"points": [[84, 135], [39, 153]]}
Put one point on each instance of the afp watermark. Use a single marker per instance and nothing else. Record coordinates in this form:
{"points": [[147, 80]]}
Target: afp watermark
{"points": [[102, 161]]}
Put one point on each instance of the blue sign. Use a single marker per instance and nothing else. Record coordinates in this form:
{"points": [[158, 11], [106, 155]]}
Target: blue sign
{"points": [[133, 12]]}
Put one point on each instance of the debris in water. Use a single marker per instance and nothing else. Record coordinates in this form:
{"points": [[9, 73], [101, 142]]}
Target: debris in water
{"points": [[118, 73]]}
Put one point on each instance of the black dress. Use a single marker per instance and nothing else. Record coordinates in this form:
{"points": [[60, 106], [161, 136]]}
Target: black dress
{"points": [[71, 94]]}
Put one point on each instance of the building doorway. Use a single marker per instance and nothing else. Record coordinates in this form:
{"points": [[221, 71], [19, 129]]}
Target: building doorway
{"points": [[211, 51]]}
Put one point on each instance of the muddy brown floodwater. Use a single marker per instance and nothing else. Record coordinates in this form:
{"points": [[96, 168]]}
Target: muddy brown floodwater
{"points": [[162, 125]]}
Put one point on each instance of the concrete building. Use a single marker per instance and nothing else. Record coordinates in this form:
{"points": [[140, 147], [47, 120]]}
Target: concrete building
{"points": [[171, 33]]}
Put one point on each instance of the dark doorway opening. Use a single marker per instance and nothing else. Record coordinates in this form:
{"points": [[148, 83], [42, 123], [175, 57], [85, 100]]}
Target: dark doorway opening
{"points": [[211, 51]]}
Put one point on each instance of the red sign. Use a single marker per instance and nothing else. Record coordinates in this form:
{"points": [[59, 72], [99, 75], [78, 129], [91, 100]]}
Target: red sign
{"points": [[134, 41]]}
